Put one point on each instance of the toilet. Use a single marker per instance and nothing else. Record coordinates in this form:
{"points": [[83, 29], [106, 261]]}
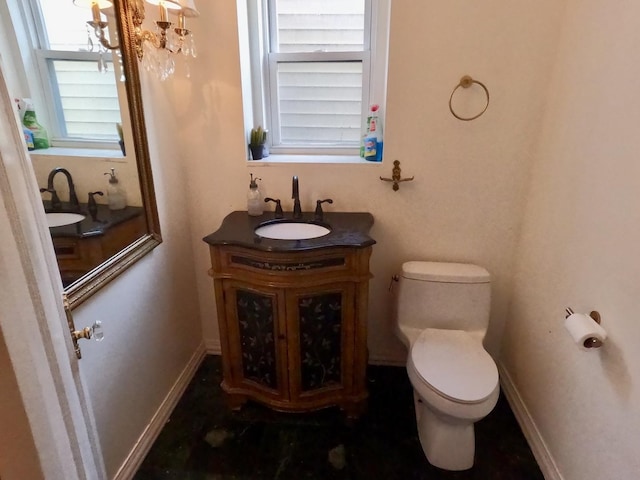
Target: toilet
{"points": [[442, 315]]}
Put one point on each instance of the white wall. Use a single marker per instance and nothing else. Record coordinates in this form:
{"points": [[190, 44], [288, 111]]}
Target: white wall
{"points": [[150, 317], [466, 200], [577, 175], [150, 313], [465, 204], [579, 250]]}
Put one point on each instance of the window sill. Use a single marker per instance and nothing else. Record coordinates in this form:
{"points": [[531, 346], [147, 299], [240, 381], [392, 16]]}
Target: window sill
{"points": [[311, 159], [94, 153]]}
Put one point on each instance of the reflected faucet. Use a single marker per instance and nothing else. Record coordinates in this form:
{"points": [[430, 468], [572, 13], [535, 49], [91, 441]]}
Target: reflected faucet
{"points": [[297, 210], [56, 204]]}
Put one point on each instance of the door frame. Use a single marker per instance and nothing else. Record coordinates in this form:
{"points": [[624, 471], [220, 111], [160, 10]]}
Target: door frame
{"points": [[33, 321]]}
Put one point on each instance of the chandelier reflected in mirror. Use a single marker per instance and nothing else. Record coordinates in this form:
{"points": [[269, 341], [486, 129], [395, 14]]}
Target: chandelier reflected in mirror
{"points": [[96, 24], [158, 50]]}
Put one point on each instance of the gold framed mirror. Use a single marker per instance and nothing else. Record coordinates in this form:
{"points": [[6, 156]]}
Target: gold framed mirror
{"points": [[87, 285]]}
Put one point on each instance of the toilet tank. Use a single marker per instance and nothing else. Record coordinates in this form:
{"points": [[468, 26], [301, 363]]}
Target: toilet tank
{"points": [[454, 296]]}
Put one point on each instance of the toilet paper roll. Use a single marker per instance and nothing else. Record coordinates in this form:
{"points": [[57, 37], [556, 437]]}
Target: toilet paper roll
{"points": [[582, 327]]}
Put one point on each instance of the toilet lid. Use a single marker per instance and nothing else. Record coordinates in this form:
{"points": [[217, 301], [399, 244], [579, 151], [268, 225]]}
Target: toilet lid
{"points": [[445, 272], [455, 365]]}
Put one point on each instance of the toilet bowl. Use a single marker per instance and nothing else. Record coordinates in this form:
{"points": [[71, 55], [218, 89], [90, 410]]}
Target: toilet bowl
{"points": [[455, 384], [442, 315]]}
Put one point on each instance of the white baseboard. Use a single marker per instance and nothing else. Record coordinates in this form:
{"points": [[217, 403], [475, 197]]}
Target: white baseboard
{"points": [[159, 419], [212, 346], [387, 359], [529, 429]]}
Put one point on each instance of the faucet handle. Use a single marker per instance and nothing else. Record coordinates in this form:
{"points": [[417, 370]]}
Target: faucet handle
{"points": [[92, 206], [319, 213], [278, 211], [56, 204]]}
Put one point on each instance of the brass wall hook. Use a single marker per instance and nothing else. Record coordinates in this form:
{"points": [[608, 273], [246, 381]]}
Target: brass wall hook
{"points": [[396, 176]]}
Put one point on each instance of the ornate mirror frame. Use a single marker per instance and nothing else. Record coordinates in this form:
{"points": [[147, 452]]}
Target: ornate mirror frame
{"points": [[92, 282]]}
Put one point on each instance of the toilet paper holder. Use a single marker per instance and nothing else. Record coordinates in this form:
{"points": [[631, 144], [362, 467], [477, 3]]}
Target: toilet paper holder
{"points": [[589, 342]]}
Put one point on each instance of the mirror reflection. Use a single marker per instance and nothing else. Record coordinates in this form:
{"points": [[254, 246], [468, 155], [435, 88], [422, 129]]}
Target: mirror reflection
{"points": [[80, 118], [86, 233]]}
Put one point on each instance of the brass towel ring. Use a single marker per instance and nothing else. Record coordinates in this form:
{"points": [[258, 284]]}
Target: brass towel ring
{"points": [[466, 82]]}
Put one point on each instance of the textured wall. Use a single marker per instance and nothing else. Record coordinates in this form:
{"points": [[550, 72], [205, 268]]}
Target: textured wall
{"points": [[465, 203], [578, 250], [150, 313], [573, 164]]}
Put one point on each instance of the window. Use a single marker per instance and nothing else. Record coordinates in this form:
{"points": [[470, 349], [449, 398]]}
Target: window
{"points": [[317, 65], [73, 76]]}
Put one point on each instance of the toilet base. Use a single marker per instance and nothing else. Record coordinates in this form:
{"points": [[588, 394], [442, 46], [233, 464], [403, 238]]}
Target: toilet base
{"points": [[446, 428], [447, 444]]}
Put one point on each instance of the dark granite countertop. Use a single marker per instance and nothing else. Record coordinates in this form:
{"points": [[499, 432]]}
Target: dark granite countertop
{"points": [[348, 229], [106, 219]]}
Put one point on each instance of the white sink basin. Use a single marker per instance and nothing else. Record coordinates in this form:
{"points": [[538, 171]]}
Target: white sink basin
{"points": [[292, 231], [60, 219]]}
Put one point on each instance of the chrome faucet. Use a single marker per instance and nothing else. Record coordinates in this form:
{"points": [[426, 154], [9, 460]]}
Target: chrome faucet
{"points": [[56, 204], [297, 210]]}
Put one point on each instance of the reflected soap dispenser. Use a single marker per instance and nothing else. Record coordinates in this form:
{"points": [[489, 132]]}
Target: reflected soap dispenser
{"points": [[116, 194], [255, 205]]}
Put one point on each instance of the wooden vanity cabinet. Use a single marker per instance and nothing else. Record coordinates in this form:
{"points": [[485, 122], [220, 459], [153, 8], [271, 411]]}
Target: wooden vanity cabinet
{"points": [[78, 255], [293, 326]]}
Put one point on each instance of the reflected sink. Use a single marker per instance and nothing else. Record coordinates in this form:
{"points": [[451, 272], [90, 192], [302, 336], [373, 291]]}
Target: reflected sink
{"points": [[59, 219], [292, 231]]}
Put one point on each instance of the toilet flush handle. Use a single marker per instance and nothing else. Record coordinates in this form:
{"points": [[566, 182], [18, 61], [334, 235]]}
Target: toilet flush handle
{"points": [[394, 278]]}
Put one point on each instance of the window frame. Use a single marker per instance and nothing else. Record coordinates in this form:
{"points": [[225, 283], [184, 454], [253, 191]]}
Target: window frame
{"points": [[264, 60], [43, 84], [58, 130]]}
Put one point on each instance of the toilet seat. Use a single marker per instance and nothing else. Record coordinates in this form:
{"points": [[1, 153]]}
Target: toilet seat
{"points": [[455, 365]]}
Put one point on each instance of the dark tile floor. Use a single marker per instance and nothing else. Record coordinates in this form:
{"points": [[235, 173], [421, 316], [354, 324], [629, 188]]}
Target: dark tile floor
{"points": [[203, 440]]}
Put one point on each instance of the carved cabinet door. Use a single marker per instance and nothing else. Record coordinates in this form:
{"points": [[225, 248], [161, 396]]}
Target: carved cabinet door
{"points": [[256, 341], [320, 340]]}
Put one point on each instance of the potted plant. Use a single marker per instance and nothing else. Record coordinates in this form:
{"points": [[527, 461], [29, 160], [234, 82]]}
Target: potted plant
{"points": [[257, 141], [121, 138]]}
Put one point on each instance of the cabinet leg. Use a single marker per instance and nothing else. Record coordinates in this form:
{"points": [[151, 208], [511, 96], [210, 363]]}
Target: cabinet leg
{"points": [[354, 410], [234, 401]]}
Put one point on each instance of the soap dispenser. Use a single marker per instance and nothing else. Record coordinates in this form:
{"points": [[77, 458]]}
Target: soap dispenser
{"points": [[255, 205], [116, 194]]}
